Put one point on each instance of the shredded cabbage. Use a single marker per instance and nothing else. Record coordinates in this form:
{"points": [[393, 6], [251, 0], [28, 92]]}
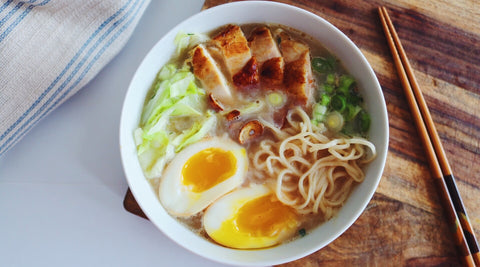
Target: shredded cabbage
{"points": [[176, 100], [188, 40], [196, 132]]}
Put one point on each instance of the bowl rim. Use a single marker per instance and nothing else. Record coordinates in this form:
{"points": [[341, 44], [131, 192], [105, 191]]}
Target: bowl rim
{"points": [[248, 257]]}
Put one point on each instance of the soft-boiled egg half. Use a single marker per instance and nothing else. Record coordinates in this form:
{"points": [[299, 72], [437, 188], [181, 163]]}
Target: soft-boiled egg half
{"points": [[200, 174], [250, 217]]}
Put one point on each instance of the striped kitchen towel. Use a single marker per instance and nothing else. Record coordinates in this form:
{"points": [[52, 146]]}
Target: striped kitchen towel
{"points": [[49, 49]]}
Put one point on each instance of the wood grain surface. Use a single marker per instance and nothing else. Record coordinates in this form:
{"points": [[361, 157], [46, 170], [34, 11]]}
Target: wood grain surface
{"points": [[404, 224]]}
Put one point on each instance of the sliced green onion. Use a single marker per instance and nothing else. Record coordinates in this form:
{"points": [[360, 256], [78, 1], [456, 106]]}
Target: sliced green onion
{"points": [[364, 121], [324, 65], [351, 111], [338, 102], [354, 98], [319, 112], [325, 100], [330, 78], [339, 105], [345, 83], [334, 121], [328, 88], [350, 128], [346, 80], [275, 99]]}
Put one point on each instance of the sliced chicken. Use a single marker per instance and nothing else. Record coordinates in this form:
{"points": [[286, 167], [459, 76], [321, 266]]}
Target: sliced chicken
{"points": [[298, 79], [206, 70], [234, 47], [247, 78], [262, 45], [271, 73], [270, 61], [291, 49]]}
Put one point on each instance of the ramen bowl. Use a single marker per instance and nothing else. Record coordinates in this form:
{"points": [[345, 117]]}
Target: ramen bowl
{"points": [[242, 13]]}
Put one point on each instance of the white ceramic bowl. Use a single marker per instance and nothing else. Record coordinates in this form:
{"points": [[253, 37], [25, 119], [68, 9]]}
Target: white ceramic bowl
{"points": [[240, 13]]}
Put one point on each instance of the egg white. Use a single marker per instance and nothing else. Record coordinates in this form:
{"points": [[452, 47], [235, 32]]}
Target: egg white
{"points": [[178, 199]]}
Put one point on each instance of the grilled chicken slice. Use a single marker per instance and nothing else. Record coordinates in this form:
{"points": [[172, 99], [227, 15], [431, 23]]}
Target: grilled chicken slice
{"points": [[263, 45], [234, 47], [206, 70], [247, 78], [269, 59], [271, 73], [291, 49], [298, 78]]}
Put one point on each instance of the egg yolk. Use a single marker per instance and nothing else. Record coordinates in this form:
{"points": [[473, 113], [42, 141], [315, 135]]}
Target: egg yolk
{"points": [[265, 217], [208, 168]]}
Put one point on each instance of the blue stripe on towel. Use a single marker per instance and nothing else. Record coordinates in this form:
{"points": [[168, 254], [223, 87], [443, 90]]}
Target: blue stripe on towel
{"points": [[15, 9], [10, 14], [17, 135], [5, 5], [67, 67], [19, 19]]}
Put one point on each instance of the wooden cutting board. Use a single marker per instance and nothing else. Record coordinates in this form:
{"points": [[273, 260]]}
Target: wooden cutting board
{"points": [[404, 224]]}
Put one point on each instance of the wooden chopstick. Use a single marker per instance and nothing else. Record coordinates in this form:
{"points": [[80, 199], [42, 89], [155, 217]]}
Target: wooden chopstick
{"points": [[439, 166]]}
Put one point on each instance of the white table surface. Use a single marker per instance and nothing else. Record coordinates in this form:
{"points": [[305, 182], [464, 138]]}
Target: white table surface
{"points": [[62, 186]]}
